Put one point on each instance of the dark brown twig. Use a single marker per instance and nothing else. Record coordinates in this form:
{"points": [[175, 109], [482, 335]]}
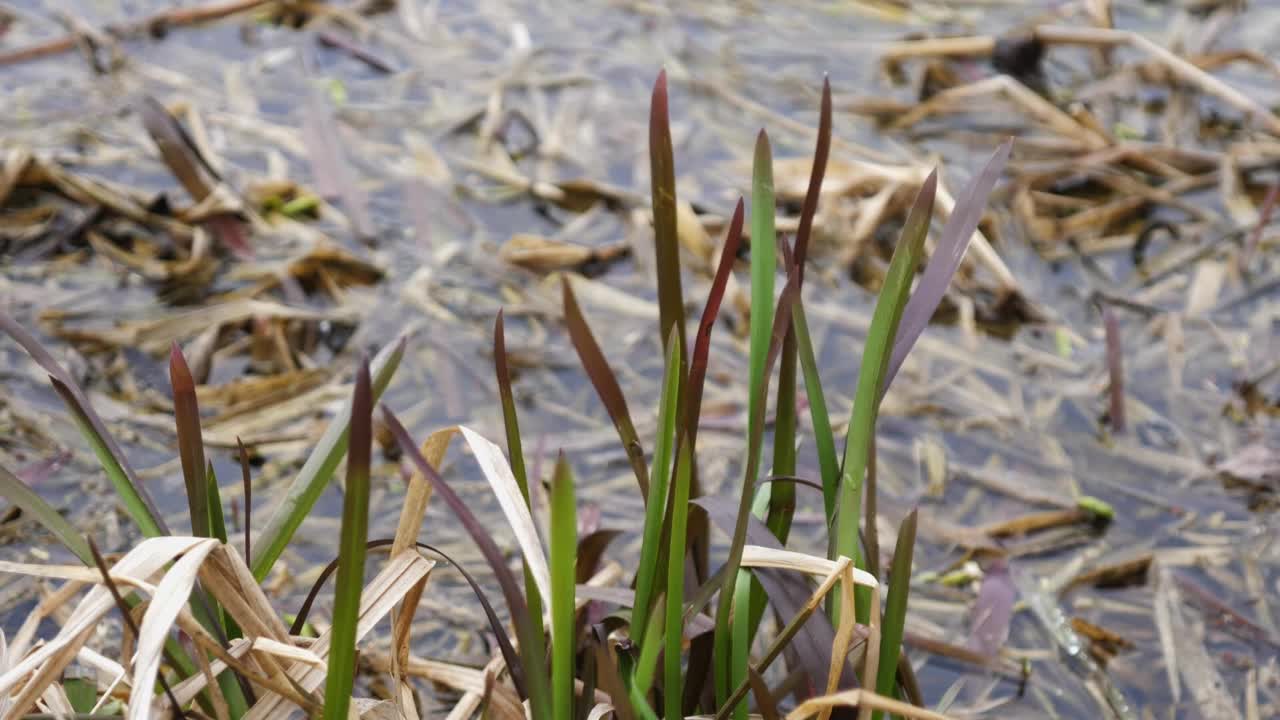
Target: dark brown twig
{"points": [[366, 55], [176, 17]]}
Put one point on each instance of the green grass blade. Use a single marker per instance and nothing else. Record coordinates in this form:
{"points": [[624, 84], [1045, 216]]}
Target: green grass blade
{"points": [[81, 692], [515, 453], [186, 415], [564, 562], [351, 553], [740, 648], [782, 496], [24, 498], [647, 664], [763, 270], [723, 648], [129, 492], [132, 492], [662, 172], [895, 610], [647, 582], [515, 450], [213, 501], [823, 437], [605, 383], [875, 359], [672, 687], [318, 470]]}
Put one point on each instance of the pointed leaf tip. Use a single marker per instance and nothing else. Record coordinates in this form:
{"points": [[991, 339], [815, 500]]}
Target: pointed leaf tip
{"points": [[930, 184], [179, 372], [363, 380], [658, 102], [949, 251]]}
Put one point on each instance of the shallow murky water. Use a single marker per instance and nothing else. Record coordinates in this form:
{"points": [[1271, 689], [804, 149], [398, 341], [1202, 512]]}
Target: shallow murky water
{"points": [[456, 109]]}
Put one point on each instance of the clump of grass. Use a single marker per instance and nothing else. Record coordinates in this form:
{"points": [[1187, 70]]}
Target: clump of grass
{"points": [[664, 652]]}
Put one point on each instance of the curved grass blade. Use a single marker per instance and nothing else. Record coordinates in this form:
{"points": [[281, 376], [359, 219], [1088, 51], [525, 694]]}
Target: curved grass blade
{"points": [[518, 516], [515, 451], [186, 416], [132, 492], [702, 342], [495, 623], [535, 683], [699, 541], [605, 383], [316, 472], [895, 611], [945, 261], [647, 580], [662, 171], [25, 499], [875, 360], [351, 553], [564, 562], [724, 607], [820, 154], [823, 437]]}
